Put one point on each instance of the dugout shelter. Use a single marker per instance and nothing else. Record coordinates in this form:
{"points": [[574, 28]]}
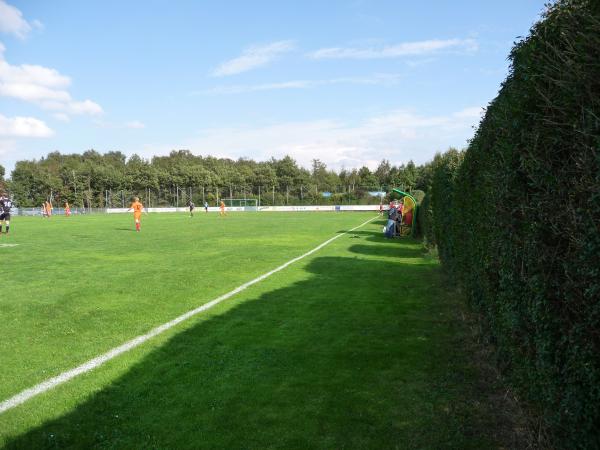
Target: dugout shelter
{"points": [[409, 213]]}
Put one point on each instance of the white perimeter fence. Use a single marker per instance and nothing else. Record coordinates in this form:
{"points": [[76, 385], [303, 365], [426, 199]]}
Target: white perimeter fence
{"points": [[200, 209]]}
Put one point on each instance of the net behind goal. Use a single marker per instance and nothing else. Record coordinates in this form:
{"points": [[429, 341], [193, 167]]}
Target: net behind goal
{"points": [[243, 202]]}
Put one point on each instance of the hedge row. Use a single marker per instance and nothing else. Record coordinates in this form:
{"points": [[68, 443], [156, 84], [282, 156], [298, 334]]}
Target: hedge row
{"points": [[518, 220]]}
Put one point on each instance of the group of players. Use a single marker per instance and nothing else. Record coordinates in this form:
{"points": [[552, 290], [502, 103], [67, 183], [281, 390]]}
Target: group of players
{"points": [[192, 207], [47, 209], [137, 207]]}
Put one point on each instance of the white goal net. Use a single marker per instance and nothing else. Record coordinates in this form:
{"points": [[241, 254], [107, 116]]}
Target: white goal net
{"points": [[241, 202]]}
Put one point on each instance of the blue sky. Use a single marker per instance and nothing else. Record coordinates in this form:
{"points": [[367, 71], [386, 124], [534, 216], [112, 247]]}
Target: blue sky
{"points": [[348, 82]]}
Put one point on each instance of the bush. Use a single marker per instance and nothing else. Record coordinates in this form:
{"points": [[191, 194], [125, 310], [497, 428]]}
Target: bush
{"points": [[519, 221]]}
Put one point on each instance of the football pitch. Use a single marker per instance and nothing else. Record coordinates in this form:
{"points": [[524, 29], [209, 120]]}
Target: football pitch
{"points": [[356, 345]]}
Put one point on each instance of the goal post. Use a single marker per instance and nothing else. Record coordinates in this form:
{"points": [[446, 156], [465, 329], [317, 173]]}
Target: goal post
{"points": [[240, 202]]}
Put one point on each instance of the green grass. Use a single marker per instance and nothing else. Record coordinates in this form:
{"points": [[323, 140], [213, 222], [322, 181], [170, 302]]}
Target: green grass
{"points": [[355, 346]]}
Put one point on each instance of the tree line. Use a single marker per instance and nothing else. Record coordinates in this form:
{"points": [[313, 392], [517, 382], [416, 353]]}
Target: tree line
{"points": [[98, 180]]}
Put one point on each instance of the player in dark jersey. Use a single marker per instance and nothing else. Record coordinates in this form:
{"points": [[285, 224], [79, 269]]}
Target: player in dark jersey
{"points": [[192, 207], [5, 207]]}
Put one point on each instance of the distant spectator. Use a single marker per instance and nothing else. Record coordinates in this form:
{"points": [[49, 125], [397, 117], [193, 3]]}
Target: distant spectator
{"points": [[399, 210], [391, 223]]}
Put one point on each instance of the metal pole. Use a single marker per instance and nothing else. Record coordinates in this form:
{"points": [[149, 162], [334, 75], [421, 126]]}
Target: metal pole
{"points": [[203, 195], [259, 195], [75, 186], [273, 195]]}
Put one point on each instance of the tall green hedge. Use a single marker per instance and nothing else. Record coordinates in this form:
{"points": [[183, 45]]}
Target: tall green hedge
{"points": [[521, 224], [439, 196]]}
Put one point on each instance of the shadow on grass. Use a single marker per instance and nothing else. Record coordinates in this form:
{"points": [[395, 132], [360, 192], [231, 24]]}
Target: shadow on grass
{"points": [[362, 233], [339, 360], [379, 236], [396, 251]]}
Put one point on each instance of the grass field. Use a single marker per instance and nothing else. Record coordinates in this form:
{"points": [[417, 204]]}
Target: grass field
{"points": [[355, 346]]}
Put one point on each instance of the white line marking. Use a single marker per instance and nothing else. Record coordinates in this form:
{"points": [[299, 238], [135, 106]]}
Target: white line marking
{"points": [[8, 245], [44, 386]]}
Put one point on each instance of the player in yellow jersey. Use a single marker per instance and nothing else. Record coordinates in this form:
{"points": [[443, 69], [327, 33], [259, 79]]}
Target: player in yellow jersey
{"points": [[137, 208]]}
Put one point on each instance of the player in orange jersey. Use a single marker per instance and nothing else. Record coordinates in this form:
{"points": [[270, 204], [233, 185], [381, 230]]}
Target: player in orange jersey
{"points": [[67, 209], [49, 209], [137, 208], [222, 208]]}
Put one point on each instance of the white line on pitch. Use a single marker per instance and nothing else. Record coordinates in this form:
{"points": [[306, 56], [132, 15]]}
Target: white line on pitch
{"points": [[44, 386]]}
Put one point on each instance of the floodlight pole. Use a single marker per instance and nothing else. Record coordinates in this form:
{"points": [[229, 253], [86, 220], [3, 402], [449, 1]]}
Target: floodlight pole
{"points": [[273, 195], [259, 195]]}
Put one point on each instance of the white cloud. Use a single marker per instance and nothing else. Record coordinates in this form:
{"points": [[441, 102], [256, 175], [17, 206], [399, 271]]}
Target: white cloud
{"points": [[253, 57], [135, 124], [23, 127], [42, 86], [395, 51], [382, 78], [84, 107], [473, 112], [12, 22], [395, 135], [62, 117], [37, 24]]}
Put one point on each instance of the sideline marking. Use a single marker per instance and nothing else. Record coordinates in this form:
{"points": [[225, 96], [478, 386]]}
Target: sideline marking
{"points": [[8, 245], [50, 383]]}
